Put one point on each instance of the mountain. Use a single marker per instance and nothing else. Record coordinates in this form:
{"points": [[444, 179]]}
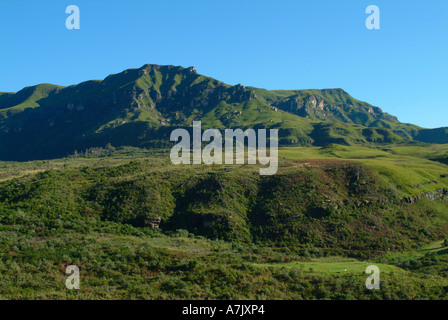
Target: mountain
{"points": [[140, 108], [437, 135]]}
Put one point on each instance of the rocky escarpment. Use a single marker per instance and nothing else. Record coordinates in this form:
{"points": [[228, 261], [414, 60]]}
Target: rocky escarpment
{"points": [[328, 104]]}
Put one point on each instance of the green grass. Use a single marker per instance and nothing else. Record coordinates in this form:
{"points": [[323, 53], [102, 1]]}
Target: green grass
{"points": [[332, 265]]}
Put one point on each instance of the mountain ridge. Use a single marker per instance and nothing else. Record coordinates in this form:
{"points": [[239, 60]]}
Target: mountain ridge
{"points": [[139, 107]]}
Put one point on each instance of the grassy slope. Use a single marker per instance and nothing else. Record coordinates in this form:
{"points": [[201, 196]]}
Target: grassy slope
{"points": [[401, 166], [26, 98]]}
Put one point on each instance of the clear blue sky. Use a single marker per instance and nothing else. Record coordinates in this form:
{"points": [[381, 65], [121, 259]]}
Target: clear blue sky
{"points": [[401, 68]]}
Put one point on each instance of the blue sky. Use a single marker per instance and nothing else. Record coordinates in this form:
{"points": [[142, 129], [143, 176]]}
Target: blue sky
{"points": [[401, 68]]}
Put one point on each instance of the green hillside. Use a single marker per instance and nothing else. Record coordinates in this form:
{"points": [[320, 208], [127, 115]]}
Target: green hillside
{"points": [[143, 228]]}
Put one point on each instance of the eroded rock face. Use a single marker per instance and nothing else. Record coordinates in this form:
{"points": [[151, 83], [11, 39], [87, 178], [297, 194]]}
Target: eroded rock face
{"points": [[315, 103], [309, 106], [423, 183], [439, 194]]}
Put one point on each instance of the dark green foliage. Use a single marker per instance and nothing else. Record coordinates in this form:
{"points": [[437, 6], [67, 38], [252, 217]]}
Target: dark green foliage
{"points": [[217, 204], [225, 232], [339, 206], [125, 263], [134, 201]]}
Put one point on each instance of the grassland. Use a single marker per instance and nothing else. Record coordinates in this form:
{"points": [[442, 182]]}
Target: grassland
{"points": [[332, 265], [398, 165], [307, 232]]}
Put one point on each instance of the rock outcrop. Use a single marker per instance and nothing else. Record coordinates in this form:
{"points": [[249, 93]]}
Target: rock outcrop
{"points": [[436, 195]]}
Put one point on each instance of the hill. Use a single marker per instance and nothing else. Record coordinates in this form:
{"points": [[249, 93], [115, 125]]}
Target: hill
{"points": [[140, 227]]}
